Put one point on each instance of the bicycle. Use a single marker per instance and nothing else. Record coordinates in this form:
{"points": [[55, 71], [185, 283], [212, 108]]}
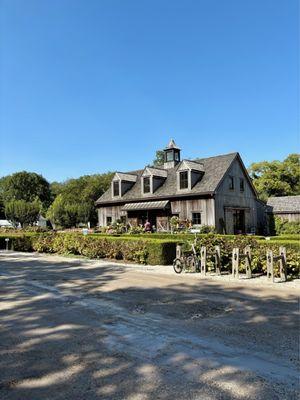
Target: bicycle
{"points": [[187, 260]]}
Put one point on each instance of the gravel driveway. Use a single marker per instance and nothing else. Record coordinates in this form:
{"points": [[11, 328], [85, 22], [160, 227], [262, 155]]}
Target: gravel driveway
{"points": [[77, 329]]}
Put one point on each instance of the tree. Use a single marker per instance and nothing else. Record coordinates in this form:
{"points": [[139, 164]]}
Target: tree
{"points": [[276, 178], [75, 202], [27, 186], [23, 212], [159, 158]]}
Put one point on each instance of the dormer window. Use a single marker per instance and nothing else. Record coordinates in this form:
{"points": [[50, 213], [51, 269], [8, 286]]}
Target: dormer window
{"points": [[189, 174], [183, 180], [116, 188], [146, 184], [152, 179], [121, 183]]}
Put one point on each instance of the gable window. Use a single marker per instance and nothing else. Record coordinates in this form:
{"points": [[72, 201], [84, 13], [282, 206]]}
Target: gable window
{"points": [[242, 185], [183, 180], [116, 188], [196, 218], [231, 183], [146, 184]]}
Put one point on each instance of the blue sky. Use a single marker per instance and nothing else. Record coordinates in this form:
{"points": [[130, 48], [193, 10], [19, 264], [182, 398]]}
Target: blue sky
{"points": [[88, 86]]}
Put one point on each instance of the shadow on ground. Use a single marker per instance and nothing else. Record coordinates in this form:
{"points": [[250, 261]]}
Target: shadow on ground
{"points": [[68, 332]]}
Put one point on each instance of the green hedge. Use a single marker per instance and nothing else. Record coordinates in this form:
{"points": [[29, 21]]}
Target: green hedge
{"points": [[150, 251], [258, 250], [286, 237]]}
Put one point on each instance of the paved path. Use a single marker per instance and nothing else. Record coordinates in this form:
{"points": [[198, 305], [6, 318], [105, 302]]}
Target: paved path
{"points": [[76, 329]]}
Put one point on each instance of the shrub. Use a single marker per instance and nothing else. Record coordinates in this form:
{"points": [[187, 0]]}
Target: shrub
{"points": [[283, 226], [18, 242], [207, 229], [144, 251]]}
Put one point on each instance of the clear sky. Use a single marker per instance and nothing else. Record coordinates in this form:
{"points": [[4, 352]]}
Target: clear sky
{"points": [[88, 86]]}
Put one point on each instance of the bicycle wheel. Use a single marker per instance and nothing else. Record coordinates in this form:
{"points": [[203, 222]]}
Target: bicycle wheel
{"points": [[177, 265]]}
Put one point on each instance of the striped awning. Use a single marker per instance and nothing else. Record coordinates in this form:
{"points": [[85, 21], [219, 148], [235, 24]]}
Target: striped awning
{"points": [[148, 205]]}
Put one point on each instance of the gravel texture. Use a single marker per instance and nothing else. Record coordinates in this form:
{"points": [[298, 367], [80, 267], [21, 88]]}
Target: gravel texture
{"points": [[78, 329]]}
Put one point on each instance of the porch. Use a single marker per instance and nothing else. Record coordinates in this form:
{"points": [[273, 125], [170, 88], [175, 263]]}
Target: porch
{"points": [[156, 212]]}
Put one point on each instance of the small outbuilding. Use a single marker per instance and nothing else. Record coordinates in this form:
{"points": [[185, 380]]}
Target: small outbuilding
{"points": [[286, 207]]}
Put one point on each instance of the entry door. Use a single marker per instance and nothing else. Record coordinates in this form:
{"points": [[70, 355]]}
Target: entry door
{"points": [[239, 221]]}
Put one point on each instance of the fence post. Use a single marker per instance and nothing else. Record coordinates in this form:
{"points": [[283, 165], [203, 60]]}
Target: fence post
{"points": [[178, 250], [270, 265], [235, 263], [247, 252], [218, 260], [6, 240], [203, 260], [282, 264]]}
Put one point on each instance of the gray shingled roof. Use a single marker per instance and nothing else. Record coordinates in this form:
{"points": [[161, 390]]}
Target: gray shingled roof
{"points": [[284, 204], [214, 170]]}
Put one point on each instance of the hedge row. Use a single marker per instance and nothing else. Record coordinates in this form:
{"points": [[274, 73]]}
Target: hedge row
{"points": [[150, 251], [258, 250]]}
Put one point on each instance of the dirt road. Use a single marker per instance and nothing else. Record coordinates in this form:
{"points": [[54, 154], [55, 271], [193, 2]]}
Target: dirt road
{"points": [[76, 329]]}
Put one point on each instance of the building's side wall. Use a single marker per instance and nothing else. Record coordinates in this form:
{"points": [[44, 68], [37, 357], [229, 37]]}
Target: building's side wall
{"points": [[292, 217], [114, 212], [226, 200], [185, 208]]}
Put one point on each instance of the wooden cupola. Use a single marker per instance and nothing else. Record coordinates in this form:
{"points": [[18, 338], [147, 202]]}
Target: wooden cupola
{"points": [[171, 155]]}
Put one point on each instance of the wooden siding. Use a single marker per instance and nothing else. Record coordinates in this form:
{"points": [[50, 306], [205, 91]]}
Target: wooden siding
{"points": [[114, 212], [226, 200], [185, 208], [291, 217]]}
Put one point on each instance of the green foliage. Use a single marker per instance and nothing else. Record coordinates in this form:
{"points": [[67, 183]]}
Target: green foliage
{"points": [[276, 178], [127, 249], [23, 212], [286, 237], [207, 229], [26, 186], [151, 251], [64, 214], [159, 158], [283, 227], [75, 199]]}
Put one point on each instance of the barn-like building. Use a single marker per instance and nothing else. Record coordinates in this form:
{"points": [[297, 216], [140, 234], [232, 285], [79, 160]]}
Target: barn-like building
{"points": [[215, 191]]}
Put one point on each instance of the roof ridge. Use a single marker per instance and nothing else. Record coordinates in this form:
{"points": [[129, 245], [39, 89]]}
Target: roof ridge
{"points": [[219, 155]]}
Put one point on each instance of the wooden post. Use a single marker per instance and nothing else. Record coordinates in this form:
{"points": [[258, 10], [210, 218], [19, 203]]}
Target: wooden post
{"points": [[178, 250], [282, 264], [203, 260], [247, 252], [235, 263], [270, 265], [218, 260]]}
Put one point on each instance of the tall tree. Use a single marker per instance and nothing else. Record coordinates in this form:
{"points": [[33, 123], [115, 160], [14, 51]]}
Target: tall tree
{"points": [[276, 178], [27, 186], [23, 212], [159, 158], [75, 202]]}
